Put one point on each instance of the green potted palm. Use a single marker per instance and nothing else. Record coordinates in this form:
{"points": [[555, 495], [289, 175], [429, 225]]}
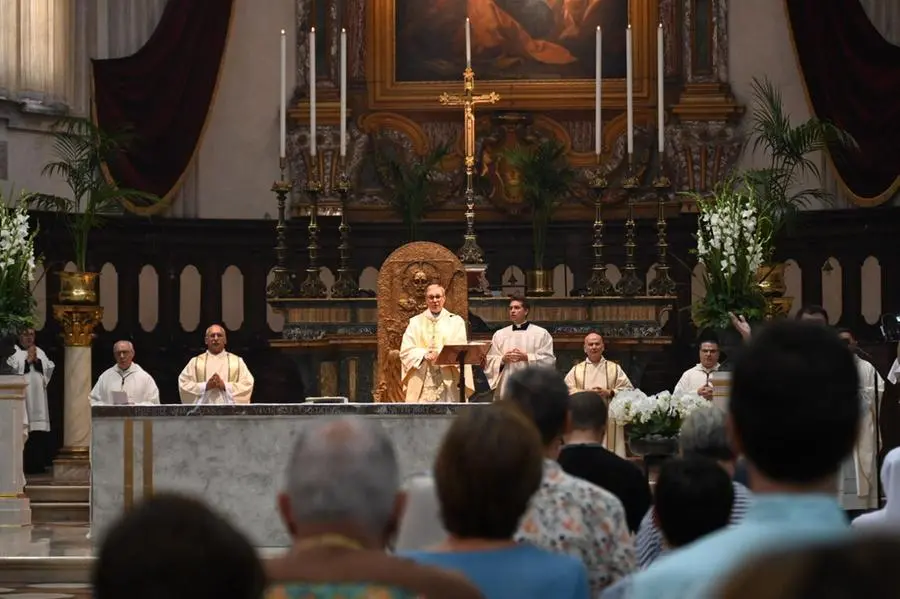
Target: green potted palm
{"points": [[411, 184], [546, 178], [81, 150]]}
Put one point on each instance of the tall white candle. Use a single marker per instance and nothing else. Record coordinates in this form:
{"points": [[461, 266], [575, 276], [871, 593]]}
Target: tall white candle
{"points": [[660, 77], [629, 90], [343, 92], [598, 75], [468, 43], [282, 111], [312, 91]]}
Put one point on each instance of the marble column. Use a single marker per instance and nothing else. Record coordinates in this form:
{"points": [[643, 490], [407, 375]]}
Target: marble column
{"points": [[14, 507], [78, 322]]}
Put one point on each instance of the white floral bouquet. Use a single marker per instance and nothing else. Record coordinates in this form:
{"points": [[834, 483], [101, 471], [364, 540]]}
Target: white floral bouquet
{"points": [[653, 416], [733, 240], [17, 265]]}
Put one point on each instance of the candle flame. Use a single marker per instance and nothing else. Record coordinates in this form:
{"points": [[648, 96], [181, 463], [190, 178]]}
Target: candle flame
{"points": [[282, 32], [344, 29], [629, 25], [598, 27], [313, 29]]}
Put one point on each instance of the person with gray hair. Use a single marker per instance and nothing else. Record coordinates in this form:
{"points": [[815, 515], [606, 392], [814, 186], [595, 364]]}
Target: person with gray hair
{"points": [[703, 433], [126, 382], [341, 502]]}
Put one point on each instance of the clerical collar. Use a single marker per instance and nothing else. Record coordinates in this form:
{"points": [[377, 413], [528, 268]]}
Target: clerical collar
{"points": [[435, 316], [703, 368], [521, 327]]}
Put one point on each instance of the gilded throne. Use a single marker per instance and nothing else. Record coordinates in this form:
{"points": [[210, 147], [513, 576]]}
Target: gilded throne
{"points": [[402, 281]]}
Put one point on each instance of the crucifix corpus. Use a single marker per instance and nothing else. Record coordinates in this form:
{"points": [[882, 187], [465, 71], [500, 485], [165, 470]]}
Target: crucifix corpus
{"points": [[469, 253]]}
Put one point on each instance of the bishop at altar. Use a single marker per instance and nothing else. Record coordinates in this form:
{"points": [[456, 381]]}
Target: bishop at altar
{"points": [[607, 378], [125, 377], [517, 346], [426, 334], [215, 376]]}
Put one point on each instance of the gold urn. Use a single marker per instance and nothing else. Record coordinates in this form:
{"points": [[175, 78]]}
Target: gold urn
{"points": [[78, 287], [539, 282], [771, 279]]}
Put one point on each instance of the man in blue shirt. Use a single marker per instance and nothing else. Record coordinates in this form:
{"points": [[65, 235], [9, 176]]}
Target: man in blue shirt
{"points": [[794, 414]]}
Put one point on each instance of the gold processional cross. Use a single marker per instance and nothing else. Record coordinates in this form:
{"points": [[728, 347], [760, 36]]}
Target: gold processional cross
{"points": [[469, 253]]}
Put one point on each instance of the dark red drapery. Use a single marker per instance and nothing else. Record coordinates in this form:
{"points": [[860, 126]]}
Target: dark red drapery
{"points": [[852, 77], [162, 94]]}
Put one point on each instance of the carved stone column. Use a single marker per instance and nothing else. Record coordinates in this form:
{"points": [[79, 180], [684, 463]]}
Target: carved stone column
{"points": [[14, 507], [78, 322]]}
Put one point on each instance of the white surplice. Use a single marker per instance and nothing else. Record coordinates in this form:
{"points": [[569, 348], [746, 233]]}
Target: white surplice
{"points": [[603, 374], [857, 479], [425, 382], [532, 340], [230, 368], [37, 414], [693, 379], [134, 381]]}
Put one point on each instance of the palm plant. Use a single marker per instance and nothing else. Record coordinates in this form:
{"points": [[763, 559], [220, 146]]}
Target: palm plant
{"points": [[546, 179], [789, 149], [411, 184], [81, 150]]}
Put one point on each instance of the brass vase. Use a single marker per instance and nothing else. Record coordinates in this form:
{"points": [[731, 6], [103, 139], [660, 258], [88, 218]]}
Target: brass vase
{"points": [[770, 278], [78, 287], [539, 282]]}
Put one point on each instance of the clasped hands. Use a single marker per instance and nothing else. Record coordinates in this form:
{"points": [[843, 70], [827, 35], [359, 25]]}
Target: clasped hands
{"points": [[514, 355], [604, 393], [215, 382], [706, 392], [32, 355]]}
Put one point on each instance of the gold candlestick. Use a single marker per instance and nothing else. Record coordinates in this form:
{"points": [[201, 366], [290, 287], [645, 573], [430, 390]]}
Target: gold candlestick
{"points": [[312, 286], [663, 284], [346, 284], [630, 284], [599, 284], [282, 284]]}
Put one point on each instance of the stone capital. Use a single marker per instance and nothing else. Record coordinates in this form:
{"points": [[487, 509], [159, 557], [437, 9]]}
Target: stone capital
{"points": [[78, 323]]}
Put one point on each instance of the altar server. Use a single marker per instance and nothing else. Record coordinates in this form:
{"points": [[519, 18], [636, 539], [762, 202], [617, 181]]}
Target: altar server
{"points": [[426, 334], [602, 376], [125, 377], [31, 361], [215, 376], [697, 379], [521, 344]]}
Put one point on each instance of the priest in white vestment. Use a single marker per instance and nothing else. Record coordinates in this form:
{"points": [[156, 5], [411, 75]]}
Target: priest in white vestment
{"points": [[517, 346], [697, 379], [126, 380], [31, 361], [215, 376], [426, 334], [605, 377]]}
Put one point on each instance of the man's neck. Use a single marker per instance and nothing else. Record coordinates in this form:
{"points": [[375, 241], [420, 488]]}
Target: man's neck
{"points": [[596, 360], [435, 314], [457, 544], [584, 437], [760, 484], [216, 353], [308, 534]]}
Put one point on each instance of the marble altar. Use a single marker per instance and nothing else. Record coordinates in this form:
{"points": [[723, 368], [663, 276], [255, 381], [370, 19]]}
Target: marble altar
{"points": [[231, 456]]}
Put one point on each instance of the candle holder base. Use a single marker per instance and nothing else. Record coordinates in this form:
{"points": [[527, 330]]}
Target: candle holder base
{"points": [[344, 287], [282, 284], [470, 252], [599, 285], [312, 287]]}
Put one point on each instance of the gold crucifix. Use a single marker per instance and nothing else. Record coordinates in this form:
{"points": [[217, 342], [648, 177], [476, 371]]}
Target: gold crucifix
{"points": [[470, 253]]}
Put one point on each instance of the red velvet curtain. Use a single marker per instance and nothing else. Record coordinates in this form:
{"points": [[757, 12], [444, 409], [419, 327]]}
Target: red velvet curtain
{"points": [[852, 77], [162, 94]]}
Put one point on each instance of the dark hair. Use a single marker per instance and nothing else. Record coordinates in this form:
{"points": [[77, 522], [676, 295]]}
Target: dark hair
{"points": [[175, 547], [707, 336], [589, 411], [521, 299], [694, 497], [812, 310], [541, 393], [489, 465], [795, 401]]}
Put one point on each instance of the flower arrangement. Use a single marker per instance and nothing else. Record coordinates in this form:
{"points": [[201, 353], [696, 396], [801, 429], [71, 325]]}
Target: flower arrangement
{"points": [[656, 416], [17, 264], [733, 241]]}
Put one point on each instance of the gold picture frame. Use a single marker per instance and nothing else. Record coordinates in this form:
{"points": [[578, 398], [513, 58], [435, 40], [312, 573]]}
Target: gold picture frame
{"points": [[385, 92]]}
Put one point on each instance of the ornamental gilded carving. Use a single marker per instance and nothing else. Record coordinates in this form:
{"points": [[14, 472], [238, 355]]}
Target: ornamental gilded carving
{"points": [[78, 323]]}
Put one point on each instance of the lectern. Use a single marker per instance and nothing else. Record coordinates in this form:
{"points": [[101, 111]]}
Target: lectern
{"points": [[468, 353]]}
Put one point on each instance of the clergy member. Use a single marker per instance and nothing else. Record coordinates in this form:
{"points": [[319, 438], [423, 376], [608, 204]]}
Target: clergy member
{"points": [[521, 344], [215, 376], [859, 488], [125, 377], [697, 379], [31, 361], [602, 376], [426, 334]]}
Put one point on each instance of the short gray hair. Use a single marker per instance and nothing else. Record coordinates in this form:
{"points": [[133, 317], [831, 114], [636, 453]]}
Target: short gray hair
{"points": [[703, 433], [343, 469]]}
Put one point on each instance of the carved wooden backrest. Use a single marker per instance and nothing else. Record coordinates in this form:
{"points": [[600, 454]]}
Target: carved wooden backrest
{"points": [[401, 295]]}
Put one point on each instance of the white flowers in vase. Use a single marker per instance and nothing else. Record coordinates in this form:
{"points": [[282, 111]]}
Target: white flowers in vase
{"points": [[17, 264], [653, 416]]}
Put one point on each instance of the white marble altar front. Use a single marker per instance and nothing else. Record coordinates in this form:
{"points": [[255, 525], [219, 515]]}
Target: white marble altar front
{"points": [[14, 506], [233, 457]]}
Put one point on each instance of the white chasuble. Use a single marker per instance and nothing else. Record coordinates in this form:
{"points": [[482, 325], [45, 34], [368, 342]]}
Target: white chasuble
{"points": [[603, 374], [134, 381], [37, 375], [857, 481], [425, 382], [530, 339], [230, 368]]}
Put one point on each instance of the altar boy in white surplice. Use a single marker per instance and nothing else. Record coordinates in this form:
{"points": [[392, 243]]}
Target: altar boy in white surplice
{"points": [[31, 361], [426, 334], [125, 377], [215, 376], [605, 377], [517, 346]]}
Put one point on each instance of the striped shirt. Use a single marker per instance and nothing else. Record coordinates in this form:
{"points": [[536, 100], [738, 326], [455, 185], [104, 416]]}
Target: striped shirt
{"points": [[649, 541]]}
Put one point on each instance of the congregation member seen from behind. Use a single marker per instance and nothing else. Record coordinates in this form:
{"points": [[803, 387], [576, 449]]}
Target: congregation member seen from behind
{"points": [[177, 548], [487, 468]]}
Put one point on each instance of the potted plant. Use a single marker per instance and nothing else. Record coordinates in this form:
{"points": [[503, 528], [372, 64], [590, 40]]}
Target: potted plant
{"points": [[546, 178], [17, 264], [652, 423], [81, 150], [411, 184]]}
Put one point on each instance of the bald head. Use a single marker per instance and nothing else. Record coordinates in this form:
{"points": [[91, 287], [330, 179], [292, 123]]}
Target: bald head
{"points": [[123, 352], [215, 339]]}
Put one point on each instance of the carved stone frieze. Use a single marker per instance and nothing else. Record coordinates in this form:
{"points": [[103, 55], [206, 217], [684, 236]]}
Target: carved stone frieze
{"points": [[702, 153]]}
